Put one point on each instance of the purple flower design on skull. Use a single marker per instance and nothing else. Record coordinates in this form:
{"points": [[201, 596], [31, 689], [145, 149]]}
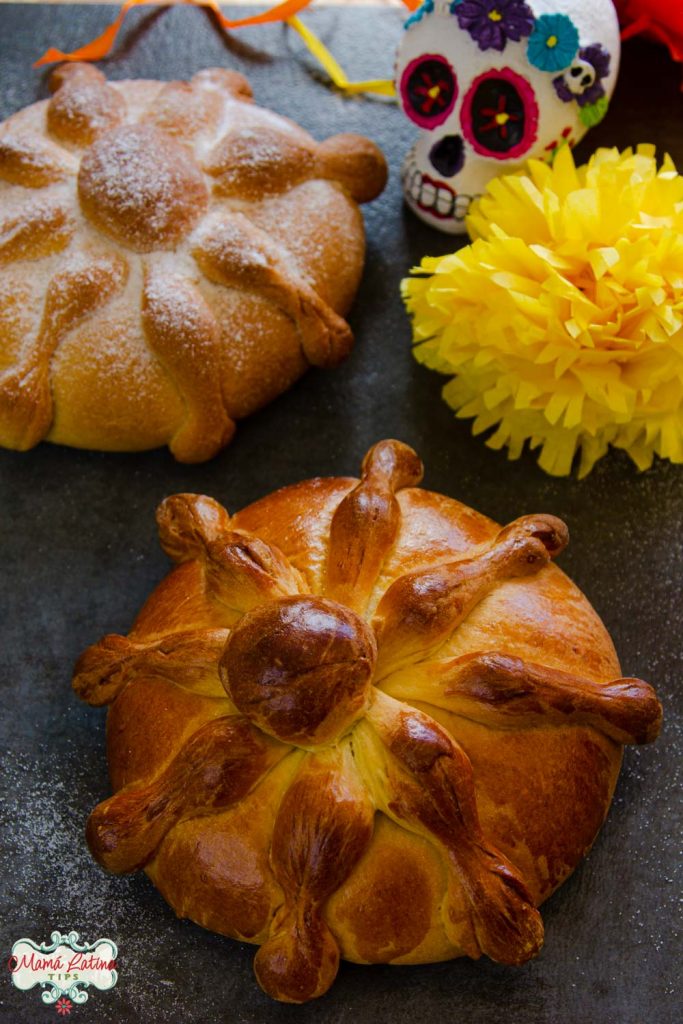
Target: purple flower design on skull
{"points": [[492, 22], [582, 81]]}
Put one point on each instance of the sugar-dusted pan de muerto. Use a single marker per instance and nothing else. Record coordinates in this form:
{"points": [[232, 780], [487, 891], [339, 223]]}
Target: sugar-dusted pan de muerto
{"points": [[359, 719], [172, 257]]}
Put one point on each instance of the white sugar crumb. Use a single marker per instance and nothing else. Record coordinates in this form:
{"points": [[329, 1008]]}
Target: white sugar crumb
{"points": [[237, 113], [45, 848], [175, 307], [132, 179], [258, 149], [249, 153], [90, 102], [37, 153], [228, 246], [39, 214], [305, 221], [129, 173]]}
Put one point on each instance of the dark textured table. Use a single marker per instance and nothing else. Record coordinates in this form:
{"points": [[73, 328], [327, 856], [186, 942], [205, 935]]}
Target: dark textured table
{"points": [[79, 554]]}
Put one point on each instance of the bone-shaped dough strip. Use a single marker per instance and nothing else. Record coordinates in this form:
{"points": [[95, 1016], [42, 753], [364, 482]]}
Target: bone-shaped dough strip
{"points": [[235, 252], [72, 295], [217, 766], [243, 571], [506, 692], [84, 105], [365, 523], [430, 788], [251, 162], [323, 827], [184, 109], [422, 609], [41, 230], [353, 161], [185, 658], [240, 570], [183, 332], [32, 162], [188, 523]]}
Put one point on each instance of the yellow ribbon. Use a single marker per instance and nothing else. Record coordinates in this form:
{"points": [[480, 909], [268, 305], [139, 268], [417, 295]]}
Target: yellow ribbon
{"points": [[381, 86]]}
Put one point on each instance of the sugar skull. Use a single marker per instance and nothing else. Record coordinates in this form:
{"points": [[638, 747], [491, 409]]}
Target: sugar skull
{"points": [[493, 82]]}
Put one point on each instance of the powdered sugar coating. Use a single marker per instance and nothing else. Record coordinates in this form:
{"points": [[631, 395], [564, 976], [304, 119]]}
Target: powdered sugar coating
{"points": [[121, 174]]}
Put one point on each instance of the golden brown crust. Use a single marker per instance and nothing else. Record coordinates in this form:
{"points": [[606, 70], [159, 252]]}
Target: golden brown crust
{"points": [[404, 780], [430, 787], [243, 247], [352, 161], [323, 827], [183, 333], [42, 230], [422, 609], [30, 161], [135, 751], [187, 523], [215, 768], [183, 111], [72, 296], [386, 910], [230, 886], [250, 162], [189, 659], [502, 691], [233, 252]]}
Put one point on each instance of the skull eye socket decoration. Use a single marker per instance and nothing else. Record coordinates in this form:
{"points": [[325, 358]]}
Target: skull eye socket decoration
{"points": [[490, 83], [429, 89], [500, 114]]}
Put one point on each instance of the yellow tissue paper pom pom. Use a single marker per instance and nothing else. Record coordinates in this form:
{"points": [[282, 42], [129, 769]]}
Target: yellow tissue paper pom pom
{"points": [[562, 322]]}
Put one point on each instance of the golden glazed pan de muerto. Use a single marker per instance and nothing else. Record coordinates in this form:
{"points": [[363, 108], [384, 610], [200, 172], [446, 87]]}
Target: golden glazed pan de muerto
{"points": [[360, 720], [172, 257]]}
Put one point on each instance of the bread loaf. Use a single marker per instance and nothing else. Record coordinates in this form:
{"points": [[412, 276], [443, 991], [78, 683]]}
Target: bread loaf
{"points": [[360, 720], [172, 257]]}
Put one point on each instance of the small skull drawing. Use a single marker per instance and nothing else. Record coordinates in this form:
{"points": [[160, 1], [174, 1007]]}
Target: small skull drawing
{"points": [[490, 83], [579, 77]]}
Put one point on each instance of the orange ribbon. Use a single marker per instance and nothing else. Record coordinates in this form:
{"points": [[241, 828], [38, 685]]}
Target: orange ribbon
{"points": [[100, 47]]}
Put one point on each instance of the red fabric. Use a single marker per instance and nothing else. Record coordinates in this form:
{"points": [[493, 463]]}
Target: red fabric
{"points": [[659, 19]]}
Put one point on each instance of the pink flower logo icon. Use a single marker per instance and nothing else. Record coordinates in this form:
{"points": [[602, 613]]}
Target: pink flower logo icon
{"points": [[63, 1007]]}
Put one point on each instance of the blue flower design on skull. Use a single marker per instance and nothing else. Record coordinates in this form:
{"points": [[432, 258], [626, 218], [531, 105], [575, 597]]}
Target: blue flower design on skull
{"points": [[553, 42]]}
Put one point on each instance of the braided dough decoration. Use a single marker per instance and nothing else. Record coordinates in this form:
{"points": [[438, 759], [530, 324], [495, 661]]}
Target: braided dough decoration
{"points": [[172, 257], [360, 720]]}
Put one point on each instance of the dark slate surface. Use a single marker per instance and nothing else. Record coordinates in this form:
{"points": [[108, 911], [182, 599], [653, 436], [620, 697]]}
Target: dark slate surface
{"points": [[79, 555]]}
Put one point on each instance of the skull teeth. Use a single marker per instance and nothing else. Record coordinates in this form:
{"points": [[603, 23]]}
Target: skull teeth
{"points": [[427, 194], [444, 204], [434, 197]]}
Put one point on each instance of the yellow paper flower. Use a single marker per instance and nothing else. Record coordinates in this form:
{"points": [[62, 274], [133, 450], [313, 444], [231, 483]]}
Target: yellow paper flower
{"points": [[562, 322]]}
